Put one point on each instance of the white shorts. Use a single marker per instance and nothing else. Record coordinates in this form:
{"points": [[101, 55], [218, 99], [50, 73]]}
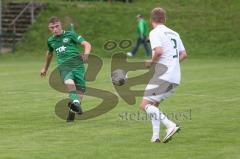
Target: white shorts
{"points": [[158, 90]]}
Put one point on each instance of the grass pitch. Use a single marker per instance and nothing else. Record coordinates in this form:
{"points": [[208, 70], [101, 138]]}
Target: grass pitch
{"points": [[30, 129], [206, 104]]}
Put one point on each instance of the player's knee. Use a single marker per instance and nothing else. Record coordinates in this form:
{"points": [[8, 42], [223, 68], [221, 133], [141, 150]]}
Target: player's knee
{"points": [[69, 82], [143, 105]]}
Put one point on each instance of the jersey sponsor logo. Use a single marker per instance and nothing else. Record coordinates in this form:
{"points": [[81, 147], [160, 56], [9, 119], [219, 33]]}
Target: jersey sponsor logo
{"points": [[65, 40], [61, 49]]}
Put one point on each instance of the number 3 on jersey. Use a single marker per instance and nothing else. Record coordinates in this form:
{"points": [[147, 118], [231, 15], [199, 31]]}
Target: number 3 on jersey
{"points": [[175, 47]]}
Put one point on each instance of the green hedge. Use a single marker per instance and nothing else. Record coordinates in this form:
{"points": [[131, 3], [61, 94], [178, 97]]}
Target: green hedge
{"points": [[208, 28]]}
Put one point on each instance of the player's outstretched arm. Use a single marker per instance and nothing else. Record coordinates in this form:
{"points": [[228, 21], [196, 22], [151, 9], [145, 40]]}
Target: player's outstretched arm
{"points": [[182, 55], [48, 59], [87, 50]]}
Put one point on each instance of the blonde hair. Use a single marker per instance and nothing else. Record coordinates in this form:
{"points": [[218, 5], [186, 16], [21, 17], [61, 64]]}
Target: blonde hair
{"points": [[158, 15]]}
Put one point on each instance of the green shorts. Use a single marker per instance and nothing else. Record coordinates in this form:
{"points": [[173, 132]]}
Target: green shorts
{"points": [[77, 75]]}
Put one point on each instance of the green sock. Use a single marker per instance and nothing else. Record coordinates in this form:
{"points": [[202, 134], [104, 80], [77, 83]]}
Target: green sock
{"points": [[73, 96]]}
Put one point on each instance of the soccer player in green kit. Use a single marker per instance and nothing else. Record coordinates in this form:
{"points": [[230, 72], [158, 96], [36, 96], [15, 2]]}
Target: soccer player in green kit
{"points": [[70, 62]]}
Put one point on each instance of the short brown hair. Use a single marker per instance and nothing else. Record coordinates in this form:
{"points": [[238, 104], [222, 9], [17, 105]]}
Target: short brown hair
{"points": [[158, 15], [53, 19], [139, 16]]}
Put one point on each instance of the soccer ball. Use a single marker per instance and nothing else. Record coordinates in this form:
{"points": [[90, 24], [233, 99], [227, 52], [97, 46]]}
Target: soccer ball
{"points": [[119, 77]]}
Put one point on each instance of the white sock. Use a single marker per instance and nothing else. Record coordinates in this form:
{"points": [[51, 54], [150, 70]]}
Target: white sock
{"points": [[76, 101], [153, 112], [164, 119]]}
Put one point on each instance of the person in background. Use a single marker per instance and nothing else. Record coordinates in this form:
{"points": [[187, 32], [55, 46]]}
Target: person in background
{"points": [[142, 32]]}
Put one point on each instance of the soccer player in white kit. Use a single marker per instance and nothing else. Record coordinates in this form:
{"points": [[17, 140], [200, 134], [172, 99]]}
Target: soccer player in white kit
{"points": [[167, 52]]}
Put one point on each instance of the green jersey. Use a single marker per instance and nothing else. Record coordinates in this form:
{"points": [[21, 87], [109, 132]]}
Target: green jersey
{"points": [[65, 45], [142, 28]]}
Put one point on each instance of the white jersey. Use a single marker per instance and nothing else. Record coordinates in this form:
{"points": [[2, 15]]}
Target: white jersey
{"points": [[170, 42]]}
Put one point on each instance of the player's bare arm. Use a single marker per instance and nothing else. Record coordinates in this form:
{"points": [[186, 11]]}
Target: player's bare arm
{"points": [[87, 50], [158, 52], [48, 60], [182, 55]]}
